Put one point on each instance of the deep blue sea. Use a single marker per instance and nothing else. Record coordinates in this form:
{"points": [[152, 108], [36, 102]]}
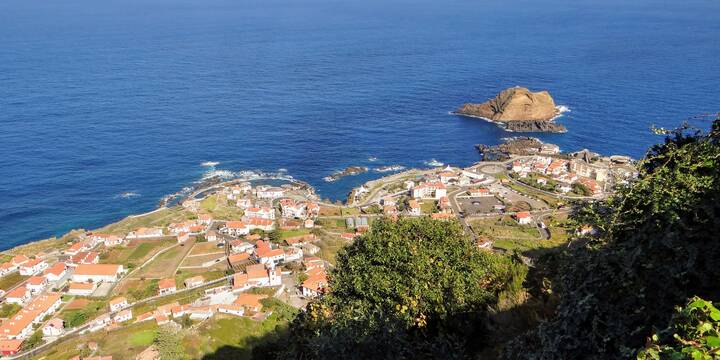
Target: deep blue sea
{"points": [[100, 98]]}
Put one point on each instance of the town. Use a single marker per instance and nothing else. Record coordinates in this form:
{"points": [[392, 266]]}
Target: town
{"points": [[254, 250]]}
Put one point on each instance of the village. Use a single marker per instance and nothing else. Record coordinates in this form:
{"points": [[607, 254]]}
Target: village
{"points": [[247, 250]]}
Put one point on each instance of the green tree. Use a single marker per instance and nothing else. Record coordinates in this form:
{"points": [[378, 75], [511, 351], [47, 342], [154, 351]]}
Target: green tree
{"points": [[415, 288], [36, 339], [657, 246]]}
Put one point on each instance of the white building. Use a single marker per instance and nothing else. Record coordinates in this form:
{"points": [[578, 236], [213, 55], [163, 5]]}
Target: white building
{"points": [[97, 273]]}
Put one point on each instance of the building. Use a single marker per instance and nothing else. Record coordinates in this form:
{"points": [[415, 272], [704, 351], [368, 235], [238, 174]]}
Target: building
{"points": [[123, 316], [54, 327], [183, 237], [523, 218], [194, 281], [480, 192], [240, 246], [211, 236], [118, 304], [259, 223], [270, 193], [19, 295], [315, 284], [231, 309], [448, 176], [235, 228], [81, 288], [6, 268], [97, 273], [270, 256], [190, 227], [32, 267], [55, 272], [414, 208], [108, 239], [144, 233], [205, 219], [434, 190], [260, 212], [250, 302], [166, 286], [20, 325], [36, 284], [84, 257], [256, 276], [10, 347]]}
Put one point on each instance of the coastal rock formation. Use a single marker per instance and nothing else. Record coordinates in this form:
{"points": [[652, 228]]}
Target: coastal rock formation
{"points": [[518, 109], [349, 171]]}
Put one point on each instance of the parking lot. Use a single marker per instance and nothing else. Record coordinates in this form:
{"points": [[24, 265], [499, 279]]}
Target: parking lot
{"points": [[478, 205]]}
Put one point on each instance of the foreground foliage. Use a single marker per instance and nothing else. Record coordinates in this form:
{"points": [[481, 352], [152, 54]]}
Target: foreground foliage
{"points": [[694, 333], [410, 289], [657, 246]]}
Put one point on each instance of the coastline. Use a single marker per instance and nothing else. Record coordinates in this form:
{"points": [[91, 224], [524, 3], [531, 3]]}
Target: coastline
{"points": [[560, 109]]}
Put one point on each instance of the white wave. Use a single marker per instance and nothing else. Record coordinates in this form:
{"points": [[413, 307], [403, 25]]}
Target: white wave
{"points": [[127, 195], [329, 179], [563, 109], [389, 168], [223, 174], [210, 163], [433, 163], [282, 170], [372, 158]]}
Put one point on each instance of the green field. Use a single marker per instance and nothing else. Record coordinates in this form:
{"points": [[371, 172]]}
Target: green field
{"points": [[160, 218], [10, 280]]}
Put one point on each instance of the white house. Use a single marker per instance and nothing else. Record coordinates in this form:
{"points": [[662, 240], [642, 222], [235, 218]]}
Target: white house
{"points": [[260, 212], [36, 284], [231, 309], [118, 304], [54, 327], [123, 316], [82, 288], [33, 267], [523, 218], [19, 295], [97, 273], [166, 286], [265, 192], [235, 228]]}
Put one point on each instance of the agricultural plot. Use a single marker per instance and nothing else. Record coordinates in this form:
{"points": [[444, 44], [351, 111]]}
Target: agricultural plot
{"points": [[164, 265], [135, 252]]}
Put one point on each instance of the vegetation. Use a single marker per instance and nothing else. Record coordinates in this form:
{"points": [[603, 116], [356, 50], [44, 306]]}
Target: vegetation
{"points": [[168, 342], [694, 333], [7, 310], [656, 247], [415, 288]]}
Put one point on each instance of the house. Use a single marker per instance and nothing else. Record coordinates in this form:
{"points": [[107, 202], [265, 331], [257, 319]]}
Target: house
{"points": [[348, 236], [189, 226], [18, 295], [523, 218], [54, 327], [231, 309], [180, 310], [256, 276], [36, 284], [123, 316], [78, 247], [108, 239], [414, 208], [244, 203], [10, 347], [200, 312], [388, 201], [434, 190], [250, 302], [19, 260], [6, 268], [239, 246], [310, 249], [390, 211], [480, 192], [144, 233], [313, 263], [292, 209], [118, 304], [293, 254], [145, 317], [166, 309], [270, 193], [166, 286], [211, 236], [205, 219], [97, 273], [300, 240], [591, 184], [32, 267], [270, 256], [448, 176], [235, 228], [81, 288], [20, 325], [100, 322], [260, 212], [315, 284], [309, 223], [55, 272], [183, 237], [84, 257], [259, 223], [194, 281]]}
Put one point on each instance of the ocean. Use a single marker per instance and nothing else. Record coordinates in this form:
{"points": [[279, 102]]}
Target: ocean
{"points": [[107, 106]]}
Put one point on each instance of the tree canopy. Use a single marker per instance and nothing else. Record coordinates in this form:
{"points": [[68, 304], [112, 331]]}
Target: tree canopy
{"points": [[657, 246], [411, 289]]}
